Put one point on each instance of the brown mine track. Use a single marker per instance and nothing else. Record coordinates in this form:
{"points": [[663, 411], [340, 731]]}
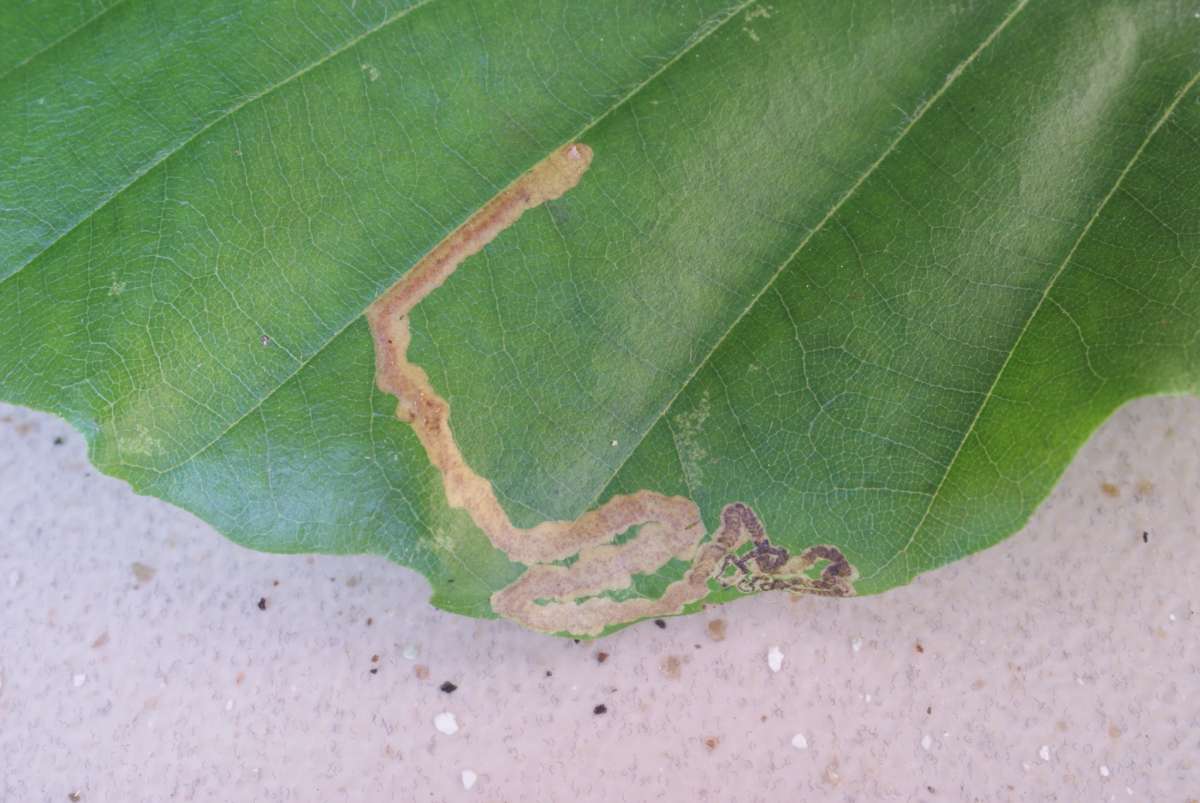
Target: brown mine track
{"points": [[547, 596]]}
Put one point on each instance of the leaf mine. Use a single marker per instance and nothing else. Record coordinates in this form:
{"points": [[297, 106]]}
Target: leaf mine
{"points": [[548, 596]]}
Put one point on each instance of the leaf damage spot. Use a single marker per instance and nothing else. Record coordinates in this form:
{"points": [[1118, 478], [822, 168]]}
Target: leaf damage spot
{"points": [[139, 441], [820, 569], [759, 12], [686, 428], [756, 13], [550, 596]]}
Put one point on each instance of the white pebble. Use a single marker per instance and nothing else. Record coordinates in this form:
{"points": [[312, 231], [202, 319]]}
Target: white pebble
{"points": [[775, 658], [1103, 771], [79, 680], [229, 705], [446, 723], [469, 778], [927, 742], [799, 742], [614, 443], [14, 579], [1044, 753], [1171, 617], [856, 645], [411, 652]]}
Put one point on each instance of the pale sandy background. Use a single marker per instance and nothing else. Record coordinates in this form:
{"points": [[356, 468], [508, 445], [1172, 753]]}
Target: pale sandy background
{"points": [[136, 664]]}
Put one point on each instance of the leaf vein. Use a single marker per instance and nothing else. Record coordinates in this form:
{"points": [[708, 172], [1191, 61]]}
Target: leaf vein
{"points": [[1187, 87], [829, 215], [81, 27], [707, 28], [171, 150]]}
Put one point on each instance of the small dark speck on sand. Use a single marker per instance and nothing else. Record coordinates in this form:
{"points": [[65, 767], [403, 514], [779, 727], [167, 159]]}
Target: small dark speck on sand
{"points": [[549, 674], [600, 709], [374, 670], [59, 441], [448, 687], [661, 624], [601, 657], [262, 603], [1145, 537]]}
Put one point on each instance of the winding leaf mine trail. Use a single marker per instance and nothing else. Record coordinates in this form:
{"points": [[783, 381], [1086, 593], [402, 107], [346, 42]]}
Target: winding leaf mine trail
{"points": [[550, 597]]}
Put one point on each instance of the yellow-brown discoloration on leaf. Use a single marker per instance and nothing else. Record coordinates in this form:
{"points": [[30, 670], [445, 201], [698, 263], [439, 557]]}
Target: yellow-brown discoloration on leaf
{"points": [[547, 596]]}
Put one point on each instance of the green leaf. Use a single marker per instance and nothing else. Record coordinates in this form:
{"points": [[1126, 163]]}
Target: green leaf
{"points": [[843, 289]]}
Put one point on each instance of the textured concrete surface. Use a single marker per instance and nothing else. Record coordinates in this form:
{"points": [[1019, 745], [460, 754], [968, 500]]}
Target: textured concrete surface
{"points": [[137, 662]]}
